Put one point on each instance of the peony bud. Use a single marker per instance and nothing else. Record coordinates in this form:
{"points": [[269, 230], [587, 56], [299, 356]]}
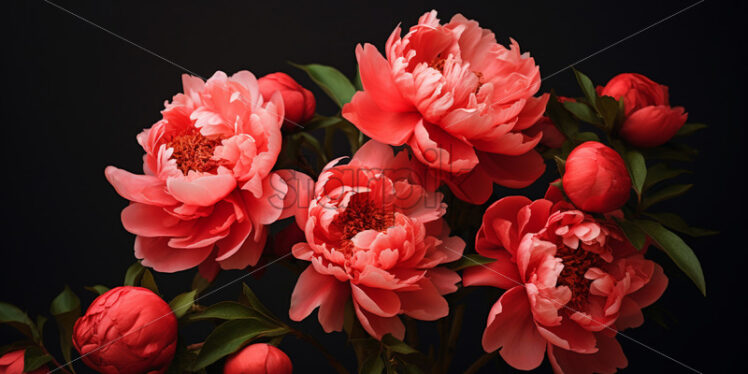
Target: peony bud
{"points": [[650, 121], [12, 363], [596, 179], [127, 330], [299, 102], [258, 358]]}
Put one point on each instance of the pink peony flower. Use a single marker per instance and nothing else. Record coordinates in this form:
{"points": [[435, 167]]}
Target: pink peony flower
{"points": [[208, 191], [258, 358], [459, 99], [12, 363], [572, 282], [127, 330], [375, 235]]}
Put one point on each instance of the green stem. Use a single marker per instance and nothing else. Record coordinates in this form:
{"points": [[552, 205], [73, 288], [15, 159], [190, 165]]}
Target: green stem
{"points": [[480, 362]]}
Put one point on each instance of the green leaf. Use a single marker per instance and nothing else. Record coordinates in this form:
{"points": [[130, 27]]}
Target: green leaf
{"points": [[228, 337], [227, 310], [250, 299], [66, 308], [372, 365], [690, 128], [677, 249], [561, 117], [11, 315], [560, 165], [666, 193], [313, 144], [357, 81], [583, 112], [396, 345], [586, 136], [633, 233], [671, 151], [133, 274], [587, 87], [637, 169], [34, 358], [330, 80], [659, 173], [41, 321], [608, 109], [676, 223], [149, 282], [98, 289], [182, 303], [470, 260], [199, 283]]}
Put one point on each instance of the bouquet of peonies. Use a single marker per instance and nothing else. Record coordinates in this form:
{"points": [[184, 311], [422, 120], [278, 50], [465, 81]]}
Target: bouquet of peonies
{"points": [[239, 174]]}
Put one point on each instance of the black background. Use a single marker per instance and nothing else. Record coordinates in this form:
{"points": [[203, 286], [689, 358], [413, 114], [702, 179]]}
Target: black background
{"points": [[75, 97]]}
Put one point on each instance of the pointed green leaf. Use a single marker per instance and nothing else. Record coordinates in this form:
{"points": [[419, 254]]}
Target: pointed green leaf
{"points": [[469, 260], [147, 281], [66, 308], [659, 173], [199, 283], [608, 109], [98, 289], [372, 365], [586, 136], [226, 310], [681, 254], [321, 122], [666, 193], [34, 358], [11, 315], [133, 274], [560, 165], [676, 223], [561, 118], [690, 128], [396, 345], [583, 112], [587, 87], [251, 300], [357, 81], [633, 233], [330, 80], [182, 303], [637, 170], [228, 337]]}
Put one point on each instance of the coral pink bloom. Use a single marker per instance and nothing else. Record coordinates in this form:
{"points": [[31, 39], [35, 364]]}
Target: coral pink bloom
{"points": [[376, 236], [572, 281], [208, 191], [459, 99]]}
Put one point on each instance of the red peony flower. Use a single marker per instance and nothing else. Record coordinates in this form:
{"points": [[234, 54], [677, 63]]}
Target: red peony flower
{"points": [[572, 281], [459, 99], [258, 358], [127, 330], [375, 234], [596, 179], [13, 363], [299, 102], [650, 121], [208, 190]]}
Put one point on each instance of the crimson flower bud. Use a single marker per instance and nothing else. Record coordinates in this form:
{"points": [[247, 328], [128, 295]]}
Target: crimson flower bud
{"points": [[650, 120], [595, 178], [258, 358], [127, 330], [298, 102]]}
